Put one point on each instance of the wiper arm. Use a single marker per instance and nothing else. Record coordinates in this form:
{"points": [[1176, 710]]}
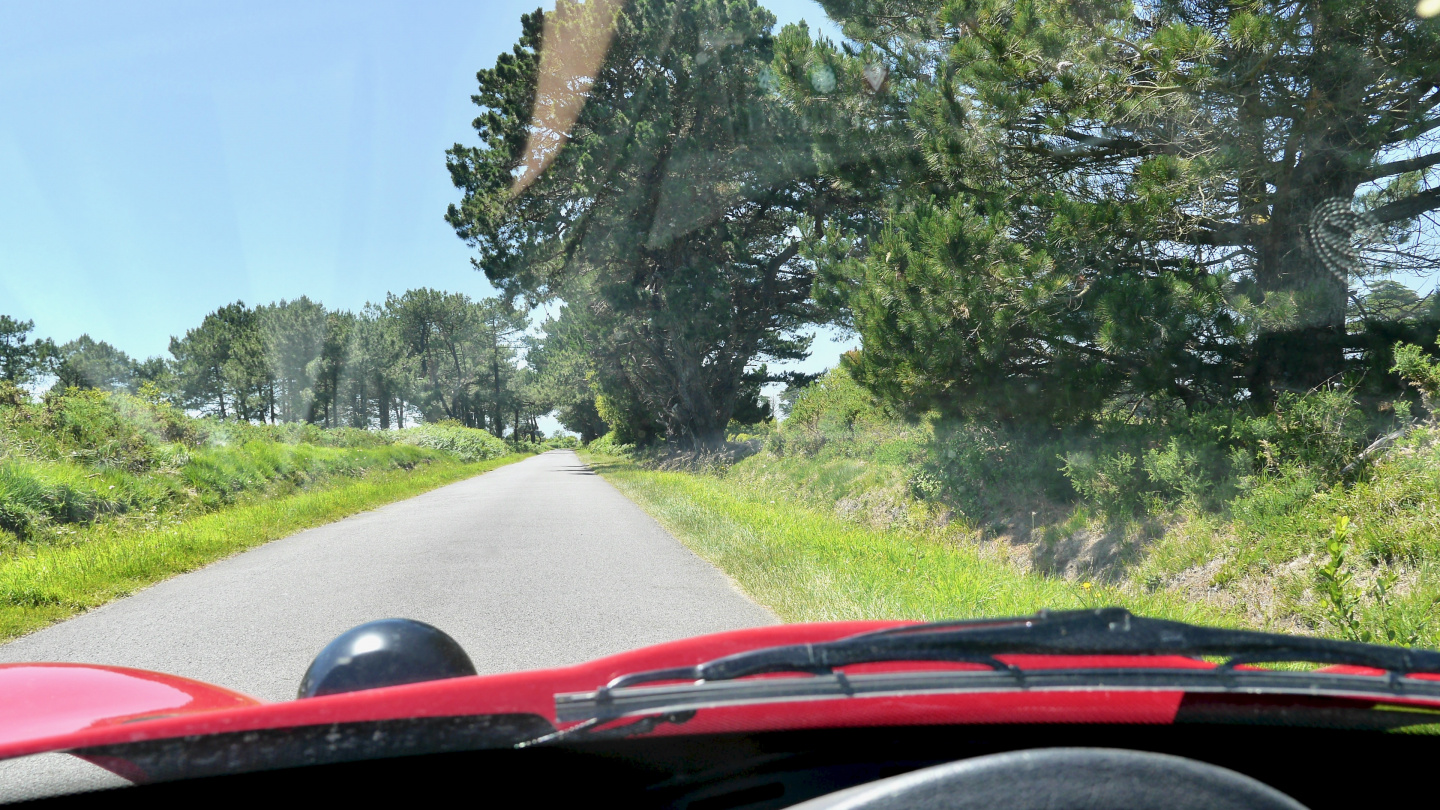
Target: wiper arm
{"points": [[1105, 631]]}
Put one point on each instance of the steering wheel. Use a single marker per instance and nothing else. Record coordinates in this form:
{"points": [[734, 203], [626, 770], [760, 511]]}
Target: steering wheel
{"points": [[1062, 779]]}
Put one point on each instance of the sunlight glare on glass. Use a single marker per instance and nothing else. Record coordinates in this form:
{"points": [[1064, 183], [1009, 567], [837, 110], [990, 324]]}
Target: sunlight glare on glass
{"points": [[822, 78], [574, 43]]}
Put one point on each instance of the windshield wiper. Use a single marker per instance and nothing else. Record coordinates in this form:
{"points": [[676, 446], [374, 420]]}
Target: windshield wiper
{"points": [[1105, 631]]}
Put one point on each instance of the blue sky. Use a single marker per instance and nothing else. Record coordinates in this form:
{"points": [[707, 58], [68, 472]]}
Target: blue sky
{"points": [[161, 159]]}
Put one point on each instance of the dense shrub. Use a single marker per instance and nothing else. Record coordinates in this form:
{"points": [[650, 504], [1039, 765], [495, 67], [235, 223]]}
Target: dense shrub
{"points": [[82, 455], [468, 444], [835, 416], [609, 446], [1134, 461]]}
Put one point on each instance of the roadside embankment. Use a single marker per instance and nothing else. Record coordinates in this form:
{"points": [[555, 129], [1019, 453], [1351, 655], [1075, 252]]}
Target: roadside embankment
{"points": [[102, 494], [1292, 520], [807, 565]]}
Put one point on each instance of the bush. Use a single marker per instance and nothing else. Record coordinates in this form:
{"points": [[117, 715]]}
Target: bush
{"points": [[627, 418], [834, 416], [82, 455], [1419, 371], [608, 445], [91, 427], [467, 444], [1321, 431], [1111, 481]]}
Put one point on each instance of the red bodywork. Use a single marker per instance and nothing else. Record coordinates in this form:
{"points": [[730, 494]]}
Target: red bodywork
{"points": [[51, 707]]}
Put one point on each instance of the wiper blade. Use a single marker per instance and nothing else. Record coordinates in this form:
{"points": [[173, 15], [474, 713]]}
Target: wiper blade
{"points": [[1104, 631], [655, 704]]}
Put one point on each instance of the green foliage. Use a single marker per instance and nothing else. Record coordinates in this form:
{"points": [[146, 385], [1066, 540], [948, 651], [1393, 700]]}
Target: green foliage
{"points": [[807, 563], [462, 354], [45, 583], [422, 355], [666, 211], [467, 444], [1066, 204], [1111, 481], [84, 456], [610, 445], [834, 401], [835, 412], [12, 395], [1343, 600], [21, 358], [565, 375], [1337, 583], [1389, 300], [1321, 431], [87, 363], [630, 422], [1203, 459], [1220, 508], [1420, 371], [1161, 458]]}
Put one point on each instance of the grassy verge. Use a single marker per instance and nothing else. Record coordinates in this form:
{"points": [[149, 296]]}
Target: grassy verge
{"points": [[807, 565], [95, 565], [1297, 518]]}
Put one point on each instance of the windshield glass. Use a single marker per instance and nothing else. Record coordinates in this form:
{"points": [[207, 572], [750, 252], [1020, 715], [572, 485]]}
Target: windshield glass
{"points": [[646, 319]]}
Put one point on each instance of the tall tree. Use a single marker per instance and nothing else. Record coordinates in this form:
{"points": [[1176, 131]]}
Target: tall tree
{"points": [[564, 370], [642, 169], [294, 333], [201, 357], [497, 338], [88, 363], [246, 371], [21, 358], [439, 330], [334, 383], [1117, 198], [378, 364]]}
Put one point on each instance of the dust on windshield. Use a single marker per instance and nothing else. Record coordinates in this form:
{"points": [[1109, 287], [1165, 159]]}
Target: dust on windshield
{"points": [[921, 310]]}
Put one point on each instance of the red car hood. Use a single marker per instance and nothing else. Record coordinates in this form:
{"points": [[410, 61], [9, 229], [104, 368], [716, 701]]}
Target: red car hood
{"points": [[52, 707]]}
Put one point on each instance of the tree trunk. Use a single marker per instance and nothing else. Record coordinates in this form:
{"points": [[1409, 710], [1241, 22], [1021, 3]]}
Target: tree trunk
{"points": [[382, 399], [1309, 349]]}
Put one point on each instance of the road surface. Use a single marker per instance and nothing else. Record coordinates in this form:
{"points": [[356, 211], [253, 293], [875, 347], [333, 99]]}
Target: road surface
{"points": [[540, 563]]}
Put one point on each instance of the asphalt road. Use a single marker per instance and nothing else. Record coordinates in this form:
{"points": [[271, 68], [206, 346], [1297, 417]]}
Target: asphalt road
{"points": [[536, 564]]}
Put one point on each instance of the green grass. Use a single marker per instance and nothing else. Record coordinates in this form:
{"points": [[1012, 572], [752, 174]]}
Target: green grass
{"points": [[849, 509], [808, 565], [858, 526], [42, 584]]}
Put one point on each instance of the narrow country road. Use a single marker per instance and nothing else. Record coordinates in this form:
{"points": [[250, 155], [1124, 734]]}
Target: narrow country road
{"points": [[536, 564]]}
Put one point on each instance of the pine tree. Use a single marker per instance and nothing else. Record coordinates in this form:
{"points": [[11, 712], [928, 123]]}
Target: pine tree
{"points": [[669, 211], [22, 360], [1117, 199], [88, 363]]}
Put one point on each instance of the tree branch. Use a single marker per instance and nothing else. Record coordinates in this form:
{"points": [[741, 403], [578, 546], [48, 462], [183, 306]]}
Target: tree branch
{"points": [[1395, 167], [1409, 207]]}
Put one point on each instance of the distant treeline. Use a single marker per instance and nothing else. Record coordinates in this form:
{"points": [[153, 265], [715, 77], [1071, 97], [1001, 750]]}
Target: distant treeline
{"points": [[424, 355]]}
